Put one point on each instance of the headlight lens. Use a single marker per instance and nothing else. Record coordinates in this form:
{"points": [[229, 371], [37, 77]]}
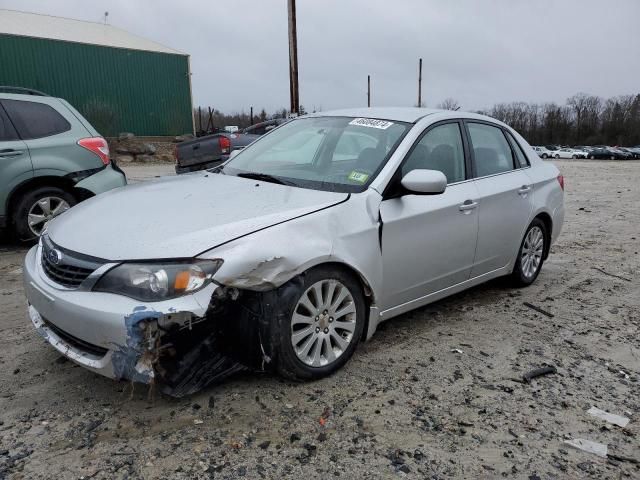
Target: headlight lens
{"points": [[156, 282]]}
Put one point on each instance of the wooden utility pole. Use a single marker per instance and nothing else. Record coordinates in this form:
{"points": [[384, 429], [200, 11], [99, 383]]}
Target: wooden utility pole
{"points": [[368, 90], [420, 83], [293, 58], [251, 116]]}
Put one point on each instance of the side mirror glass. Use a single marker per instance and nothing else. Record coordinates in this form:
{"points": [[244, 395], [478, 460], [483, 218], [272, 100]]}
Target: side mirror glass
{"points": [[425, 182]]}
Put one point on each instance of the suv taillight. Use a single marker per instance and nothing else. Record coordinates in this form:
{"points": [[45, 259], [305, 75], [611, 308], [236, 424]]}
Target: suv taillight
{"points": [[225, 145], [97, 145], [561, 182]]}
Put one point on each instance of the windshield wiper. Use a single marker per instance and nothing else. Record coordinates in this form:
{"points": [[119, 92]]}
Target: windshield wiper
{"points": [[264, 177]]}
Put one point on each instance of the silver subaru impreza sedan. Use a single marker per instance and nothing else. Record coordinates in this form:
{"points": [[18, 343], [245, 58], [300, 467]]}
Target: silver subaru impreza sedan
{"points": [[291, 253]]}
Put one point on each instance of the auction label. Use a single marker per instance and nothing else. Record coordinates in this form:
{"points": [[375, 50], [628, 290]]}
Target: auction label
{"points": [[371, 123]]}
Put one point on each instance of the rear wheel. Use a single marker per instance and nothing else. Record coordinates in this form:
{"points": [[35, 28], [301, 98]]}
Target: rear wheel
{"points": [[612, 157], [574, 156], [531, 254], [36, 208], [592, 157], [325, 324], [545, 156], [557, 156]]}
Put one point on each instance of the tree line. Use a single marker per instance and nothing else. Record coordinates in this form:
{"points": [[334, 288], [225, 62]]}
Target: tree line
{"points": [[583, 120]]}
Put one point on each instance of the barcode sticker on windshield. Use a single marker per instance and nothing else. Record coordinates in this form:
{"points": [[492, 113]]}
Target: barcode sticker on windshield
{"points": [[371, 123]]}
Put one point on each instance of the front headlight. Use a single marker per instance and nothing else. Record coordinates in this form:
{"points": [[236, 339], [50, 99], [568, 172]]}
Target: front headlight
{"points": [[156, 282]]}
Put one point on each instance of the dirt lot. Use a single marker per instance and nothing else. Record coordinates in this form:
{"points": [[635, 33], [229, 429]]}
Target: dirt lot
{"points": [[430, 396]]}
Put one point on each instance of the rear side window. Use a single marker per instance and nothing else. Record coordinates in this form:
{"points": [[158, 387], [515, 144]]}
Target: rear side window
{"points": [[35, 120], [491, 150], [521, 158], [7, 132]]}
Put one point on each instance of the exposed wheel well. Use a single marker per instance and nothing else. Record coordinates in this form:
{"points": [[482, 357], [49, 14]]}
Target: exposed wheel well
{"points": [[37, 182], [548, 223]]}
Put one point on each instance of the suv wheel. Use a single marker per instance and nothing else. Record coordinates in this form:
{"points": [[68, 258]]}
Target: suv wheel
{"points": [[37, 207]]}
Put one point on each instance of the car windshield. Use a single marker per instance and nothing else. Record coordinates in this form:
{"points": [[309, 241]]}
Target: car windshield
{"points": [[342, 154]]}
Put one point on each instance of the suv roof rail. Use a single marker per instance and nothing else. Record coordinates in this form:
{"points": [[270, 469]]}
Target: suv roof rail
{"points": [[21, 91]]}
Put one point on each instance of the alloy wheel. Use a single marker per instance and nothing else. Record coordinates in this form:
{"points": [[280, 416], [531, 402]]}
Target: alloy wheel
{"points": [[44, 210], [531, 253], [323, 323]]}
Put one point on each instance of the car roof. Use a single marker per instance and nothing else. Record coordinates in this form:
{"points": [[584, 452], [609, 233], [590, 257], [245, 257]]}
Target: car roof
{"points": [[400, 114]]}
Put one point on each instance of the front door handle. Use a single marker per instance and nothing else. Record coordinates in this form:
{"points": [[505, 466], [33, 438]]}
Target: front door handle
{"points": [[523, 190], [468, 205], [9, 152]]}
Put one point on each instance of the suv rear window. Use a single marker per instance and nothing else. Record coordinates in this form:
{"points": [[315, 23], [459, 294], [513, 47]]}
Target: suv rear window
{"points": [[7, 132], [35, 120]]}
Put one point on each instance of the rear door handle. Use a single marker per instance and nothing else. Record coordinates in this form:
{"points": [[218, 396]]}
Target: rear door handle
{"points": [[9, 152], [523, 190], [468, 205]]}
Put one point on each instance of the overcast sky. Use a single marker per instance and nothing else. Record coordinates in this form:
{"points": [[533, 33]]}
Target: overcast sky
{"points": [[479, 52]]}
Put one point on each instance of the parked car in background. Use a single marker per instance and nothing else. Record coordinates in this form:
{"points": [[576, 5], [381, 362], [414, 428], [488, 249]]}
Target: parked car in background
{"points": [[543, 152], [601, 152], [295, 250], [264, 127], [635, 151], [50, 159], [623, 153], [231, 128], [210, 151], [569, 153]]}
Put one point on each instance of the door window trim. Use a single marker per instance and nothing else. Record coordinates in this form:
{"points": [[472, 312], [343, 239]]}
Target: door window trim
{"points": [[504, 131], [4, 116], [391, 190]]}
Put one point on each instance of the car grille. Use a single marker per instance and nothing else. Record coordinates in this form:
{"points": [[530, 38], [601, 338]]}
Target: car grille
{"points": [[65, 268], [75, 341]]}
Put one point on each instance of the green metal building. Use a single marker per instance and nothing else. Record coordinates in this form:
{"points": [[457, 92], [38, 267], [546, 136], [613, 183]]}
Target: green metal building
{"points": [[120, 82]]}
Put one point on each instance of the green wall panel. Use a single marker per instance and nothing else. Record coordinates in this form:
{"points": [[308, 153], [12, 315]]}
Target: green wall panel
{"points": [[117, 90]]}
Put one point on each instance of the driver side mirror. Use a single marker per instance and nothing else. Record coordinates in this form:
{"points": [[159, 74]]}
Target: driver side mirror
{"points": [[425, 182]]}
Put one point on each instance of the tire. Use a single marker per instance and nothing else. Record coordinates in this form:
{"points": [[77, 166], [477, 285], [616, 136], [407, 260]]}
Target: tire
{"points": [[59, 201], [591, 157], [612, 157], [522, 276], [545, 156], [574, 156], [289, 359], [557, 156]]}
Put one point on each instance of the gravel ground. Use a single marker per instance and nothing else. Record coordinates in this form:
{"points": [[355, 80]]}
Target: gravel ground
{"points": [[430, 396]]}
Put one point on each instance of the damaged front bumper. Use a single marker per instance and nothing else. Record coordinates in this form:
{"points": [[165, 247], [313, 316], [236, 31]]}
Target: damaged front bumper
{"points": [[173, 343]]}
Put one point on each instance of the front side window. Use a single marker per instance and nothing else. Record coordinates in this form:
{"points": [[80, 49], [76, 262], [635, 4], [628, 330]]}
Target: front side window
{"points": [[439, 149], [491, 150], [341, 154], [35, 120]]}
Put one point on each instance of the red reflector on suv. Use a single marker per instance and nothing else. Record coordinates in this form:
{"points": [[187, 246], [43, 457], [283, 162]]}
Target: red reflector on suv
{"points": [[97, 145], [561, 182]]}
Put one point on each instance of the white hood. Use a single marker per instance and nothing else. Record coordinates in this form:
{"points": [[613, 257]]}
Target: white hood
{"points": [[180, 217]]}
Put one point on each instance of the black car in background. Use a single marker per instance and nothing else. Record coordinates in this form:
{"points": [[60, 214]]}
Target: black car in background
{"points": [[600, 152]]}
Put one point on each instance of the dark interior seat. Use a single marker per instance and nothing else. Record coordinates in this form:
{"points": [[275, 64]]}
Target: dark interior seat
{"points": [[370, 159], [487, 161]]}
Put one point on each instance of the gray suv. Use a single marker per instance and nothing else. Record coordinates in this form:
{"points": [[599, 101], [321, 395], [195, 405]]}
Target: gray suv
{"points": [[50, 159]]}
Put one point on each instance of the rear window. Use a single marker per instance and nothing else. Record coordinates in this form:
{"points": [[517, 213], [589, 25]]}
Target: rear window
{"points": [[35, 120], [7, 132], [491, 150]]}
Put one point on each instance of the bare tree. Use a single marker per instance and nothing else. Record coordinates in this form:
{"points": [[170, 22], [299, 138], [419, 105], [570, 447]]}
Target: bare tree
{"points": [[449, 104]]}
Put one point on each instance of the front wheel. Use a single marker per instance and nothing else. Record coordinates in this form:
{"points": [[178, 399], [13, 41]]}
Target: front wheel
{"points": [[325, 323], [531, 254], [592, 157], [574, 156], [557, 156], [545, 156]]}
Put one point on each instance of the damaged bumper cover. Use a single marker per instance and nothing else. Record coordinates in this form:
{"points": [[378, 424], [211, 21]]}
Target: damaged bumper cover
{"points": [[173, 343]]}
